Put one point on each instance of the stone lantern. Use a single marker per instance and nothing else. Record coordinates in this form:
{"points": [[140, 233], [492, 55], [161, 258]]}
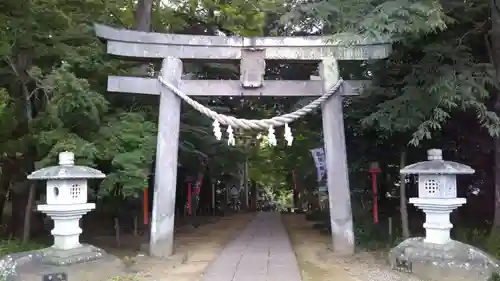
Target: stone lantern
{"points": [[436, 256], [437, 193], [66, 198], [66, 189]]}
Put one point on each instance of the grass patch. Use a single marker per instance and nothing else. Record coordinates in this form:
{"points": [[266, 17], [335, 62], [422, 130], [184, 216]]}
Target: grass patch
{"points": [[10, 246]]}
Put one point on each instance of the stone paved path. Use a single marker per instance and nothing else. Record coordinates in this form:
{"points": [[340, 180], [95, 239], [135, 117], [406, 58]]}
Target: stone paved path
{"points": [[262, 252]]}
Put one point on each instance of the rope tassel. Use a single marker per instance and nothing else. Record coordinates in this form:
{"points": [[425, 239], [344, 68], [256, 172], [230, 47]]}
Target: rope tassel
{"points": [[288, 135], [271, 138], [230, 136], [217, 131]]}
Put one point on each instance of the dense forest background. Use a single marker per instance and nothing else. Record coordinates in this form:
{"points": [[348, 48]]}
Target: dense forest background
{"points": [[438, 89]]}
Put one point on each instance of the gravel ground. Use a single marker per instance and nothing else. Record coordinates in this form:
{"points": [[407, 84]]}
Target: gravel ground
{"points": [[194, 250], [317, 263], [372, 267]]}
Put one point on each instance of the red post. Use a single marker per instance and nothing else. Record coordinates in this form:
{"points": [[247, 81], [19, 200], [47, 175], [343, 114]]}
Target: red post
{"points": [[145, 205], [374, 170], [189, 198]]}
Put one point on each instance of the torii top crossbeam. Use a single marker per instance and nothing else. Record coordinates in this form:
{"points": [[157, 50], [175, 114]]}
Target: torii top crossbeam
{"points": [[251, 51], [131, 43]]}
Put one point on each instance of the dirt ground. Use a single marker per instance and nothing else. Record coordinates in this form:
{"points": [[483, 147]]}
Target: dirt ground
{"points": [[194, 250], [308, 245], [317, 263]]}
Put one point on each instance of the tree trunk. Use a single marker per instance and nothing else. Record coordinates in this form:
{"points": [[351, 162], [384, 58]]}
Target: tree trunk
{"points": [[402, 197], [5, 180], [3, 200], [241, 185], [19, 196], [245, 185], [495, 59], [28, 212], [29, 165], [142, 18], [496, 221], [20, 64], [142, 15], [254, 196]]}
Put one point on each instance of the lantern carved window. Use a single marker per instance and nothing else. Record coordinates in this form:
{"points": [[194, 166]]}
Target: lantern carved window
{"points": [[432, 187]]}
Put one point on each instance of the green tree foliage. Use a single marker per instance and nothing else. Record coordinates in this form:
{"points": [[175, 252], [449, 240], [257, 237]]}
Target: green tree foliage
{"points": [[54, 67], [438, 73], [434, 70], [239, 17], [429, 78], [384, 20], [52, 61]]}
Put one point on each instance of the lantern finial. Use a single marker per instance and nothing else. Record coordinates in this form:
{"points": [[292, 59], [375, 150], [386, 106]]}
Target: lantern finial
{"points": [[434, 154], [66, 158]]}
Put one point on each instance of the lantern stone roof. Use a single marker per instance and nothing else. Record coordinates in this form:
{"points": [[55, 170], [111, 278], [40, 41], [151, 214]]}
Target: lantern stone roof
{"points": [[436, 165], [66, 170]]}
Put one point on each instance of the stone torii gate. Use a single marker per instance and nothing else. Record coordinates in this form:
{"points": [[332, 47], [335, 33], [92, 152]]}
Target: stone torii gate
{"points": [[252, 52]]}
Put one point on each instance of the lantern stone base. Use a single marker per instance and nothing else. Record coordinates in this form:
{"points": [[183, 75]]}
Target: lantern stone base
{"points": [[80, 264], [453, 261], [437, 217], [66, 219]]}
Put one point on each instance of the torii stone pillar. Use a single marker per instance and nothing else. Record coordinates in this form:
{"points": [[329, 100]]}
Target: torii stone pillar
{"points": [[336, 163], [167, 146], [252, 52]]}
